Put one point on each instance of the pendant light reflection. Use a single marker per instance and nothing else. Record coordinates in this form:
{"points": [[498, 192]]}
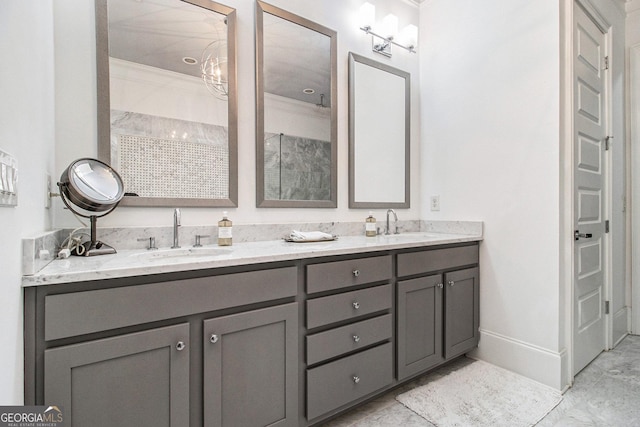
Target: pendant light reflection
{"points": [[214, 69]]}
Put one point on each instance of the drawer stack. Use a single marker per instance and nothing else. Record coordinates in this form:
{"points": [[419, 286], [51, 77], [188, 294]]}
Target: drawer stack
{"points": [[349, 353]]}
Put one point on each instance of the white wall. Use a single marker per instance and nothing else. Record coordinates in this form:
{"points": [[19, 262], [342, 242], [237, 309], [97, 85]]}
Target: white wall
{"points": [[490, 150], [76, 122], [26, 132]]}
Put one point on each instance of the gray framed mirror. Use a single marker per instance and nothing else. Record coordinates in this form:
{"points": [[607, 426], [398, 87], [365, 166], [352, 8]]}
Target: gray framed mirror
{"points": [[296, 115], [379, 134], [167, 103]]}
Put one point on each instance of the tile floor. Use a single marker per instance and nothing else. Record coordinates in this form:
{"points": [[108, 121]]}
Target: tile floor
{"points": [[605, 393]]}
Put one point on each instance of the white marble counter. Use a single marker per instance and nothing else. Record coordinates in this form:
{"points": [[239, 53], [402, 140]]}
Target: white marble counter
{"points": [[128, 263]]}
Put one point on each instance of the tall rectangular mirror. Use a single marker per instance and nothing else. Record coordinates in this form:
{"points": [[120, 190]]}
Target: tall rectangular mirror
{"points": [[167, 104], [379, 134], [296, 116]]}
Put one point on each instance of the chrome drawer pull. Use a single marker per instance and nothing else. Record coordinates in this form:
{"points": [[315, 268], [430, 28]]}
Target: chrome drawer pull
{"points": [[180, 346], [214, 339], [356, 379], [356, 305], [356, 338], [356, 273]]}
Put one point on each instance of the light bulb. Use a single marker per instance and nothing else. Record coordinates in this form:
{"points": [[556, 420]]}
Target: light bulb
{"points": [[390, 26], [410, 35], [367, 15]]}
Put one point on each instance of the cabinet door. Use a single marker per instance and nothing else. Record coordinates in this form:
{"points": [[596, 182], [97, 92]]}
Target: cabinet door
{"points": [[251, 368], [139, 379], [419, 324], [462, 308]]}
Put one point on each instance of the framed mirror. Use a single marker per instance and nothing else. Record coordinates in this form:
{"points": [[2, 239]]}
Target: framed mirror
{"points": [[379, 134], [296, 116], [167, 103]]}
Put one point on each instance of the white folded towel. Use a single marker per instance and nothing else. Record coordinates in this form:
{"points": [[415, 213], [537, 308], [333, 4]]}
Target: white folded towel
{"points": [[309, 236]]}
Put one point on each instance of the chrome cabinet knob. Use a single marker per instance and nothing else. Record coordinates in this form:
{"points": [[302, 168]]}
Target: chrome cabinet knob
{"points": [[356, 338], [356, 305], [356, 273], [356, 379], [451, 283], [214, 338], [180, 346], [440, 285]]}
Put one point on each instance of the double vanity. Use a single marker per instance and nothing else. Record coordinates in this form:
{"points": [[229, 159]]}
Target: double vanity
{"points": [[261, 333]]}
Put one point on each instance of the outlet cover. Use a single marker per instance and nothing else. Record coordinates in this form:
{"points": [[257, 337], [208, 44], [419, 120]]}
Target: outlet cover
{"points": [[435, 203]]}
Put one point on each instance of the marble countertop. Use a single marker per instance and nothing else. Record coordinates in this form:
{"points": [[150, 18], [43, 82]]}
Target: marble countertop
{"points": [[128, 263]]}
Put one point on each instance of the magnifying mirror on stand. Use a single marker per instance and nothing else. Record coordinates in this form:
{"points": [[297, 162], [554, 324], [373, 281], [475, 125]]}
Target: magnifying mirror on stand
{"points": [[95, 187]]}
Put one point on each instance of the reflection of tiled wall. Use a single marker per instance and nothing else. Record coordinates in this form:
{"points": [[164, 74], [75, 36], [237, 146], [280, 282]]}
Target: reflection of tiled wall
{"points": [[297, 168], [154, 167], [164, 157]]}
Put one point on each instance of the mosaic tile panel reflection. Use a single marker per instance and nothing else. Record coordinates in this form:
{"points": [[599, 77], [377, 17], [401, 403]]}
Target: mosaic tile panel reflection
{"points": [[296, 168], [170, 158], [153, 167]]}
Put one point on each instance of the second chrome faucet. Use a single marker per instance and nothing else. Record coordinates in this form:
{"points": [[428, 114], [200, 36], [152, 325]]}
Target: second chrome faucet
{"points": [[176, 224]]}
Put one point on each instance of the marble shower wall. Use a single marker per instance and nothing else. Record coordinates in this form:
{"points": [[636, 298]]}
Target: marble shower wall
{"points": [[296, 168]]}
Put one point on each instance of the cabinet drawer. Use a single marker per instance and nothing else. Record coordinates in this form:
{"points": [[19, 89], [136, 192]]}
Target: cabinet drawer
{"points": [[78, 313], [334, 308], [338, 383], [338, 274], [436, 259], [335, 342]]}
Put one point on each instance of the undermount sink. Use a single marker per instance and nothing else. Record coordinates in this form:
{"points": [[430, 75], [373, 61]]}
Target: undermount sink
{"points": [[166, 254]]}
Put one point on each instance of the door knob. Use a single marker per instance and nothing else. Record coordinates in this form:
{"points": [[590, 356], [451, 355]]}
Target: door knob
{"points": [[577, 235]]}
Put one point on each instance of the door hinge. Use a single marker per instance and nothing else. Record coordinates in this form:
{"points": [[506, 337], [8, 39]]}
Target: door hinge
{"points": [[606, 62], [607, 226], [607, 142], [606, 307]]}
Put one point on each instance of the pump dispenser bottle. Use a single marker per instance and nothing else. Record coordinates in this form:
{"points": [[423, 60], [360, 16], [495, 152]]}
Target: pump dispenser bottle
{"points": [[370, 226], [224, 230]]}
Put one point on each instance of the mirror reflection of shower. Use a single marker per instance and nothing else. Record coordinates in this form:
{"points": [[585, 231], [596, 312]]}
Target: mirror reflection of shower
{"points": [[273, 174], [296, 168]]}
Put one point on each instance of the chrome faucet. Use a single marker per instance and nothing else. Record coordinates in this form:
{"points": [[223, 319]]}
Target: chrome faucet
{"points": [[176, 224], [395, 218]]}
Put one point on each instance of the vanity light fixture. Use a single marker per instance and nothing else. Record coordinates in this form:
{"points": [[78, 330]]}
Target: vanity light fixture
{"points": [[387, 35]]}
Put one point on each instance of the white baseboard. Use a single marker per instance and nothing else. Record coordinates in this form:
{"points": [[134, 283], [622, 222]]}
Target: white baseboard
{"points": [[539, 364], [620, 325]]}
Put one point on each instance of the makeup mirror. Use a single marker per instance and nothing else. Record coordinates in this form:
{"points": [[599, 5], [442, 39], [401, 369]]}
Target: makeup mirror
{"points": [[296, 117], [167, 103], [92, 186]]}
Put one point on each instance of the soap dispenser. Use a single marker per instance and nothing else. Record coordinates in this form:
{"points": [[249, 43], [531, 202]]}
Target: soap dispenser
{"points": [[370, 226], [224, 230]]}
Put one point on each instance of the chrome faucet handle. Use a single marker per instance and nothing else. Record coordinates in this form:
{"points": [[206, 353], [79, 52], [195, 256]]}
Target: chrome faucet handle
{"points": [[176, 224], [198, 237], [151, 240]]}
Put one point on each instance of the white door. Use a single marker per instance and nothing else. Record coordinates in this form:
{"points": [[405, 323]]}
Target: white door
{"points": [[590, 130]]}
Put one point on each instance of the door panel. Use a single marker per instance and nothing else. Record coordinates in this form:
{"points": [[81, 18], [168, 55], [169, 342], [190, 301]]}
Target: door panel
{"points": [[139, 379], [589, 189]]}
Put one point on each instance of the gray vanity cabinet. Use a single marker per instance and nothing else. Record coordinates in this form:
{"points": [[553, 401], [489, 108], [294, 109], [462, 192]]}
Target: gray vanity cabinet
{"points": [[419, 324], [349, 332], [138, 379], [462, 311], [251, 368], [210, 350], [438, 311]]}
